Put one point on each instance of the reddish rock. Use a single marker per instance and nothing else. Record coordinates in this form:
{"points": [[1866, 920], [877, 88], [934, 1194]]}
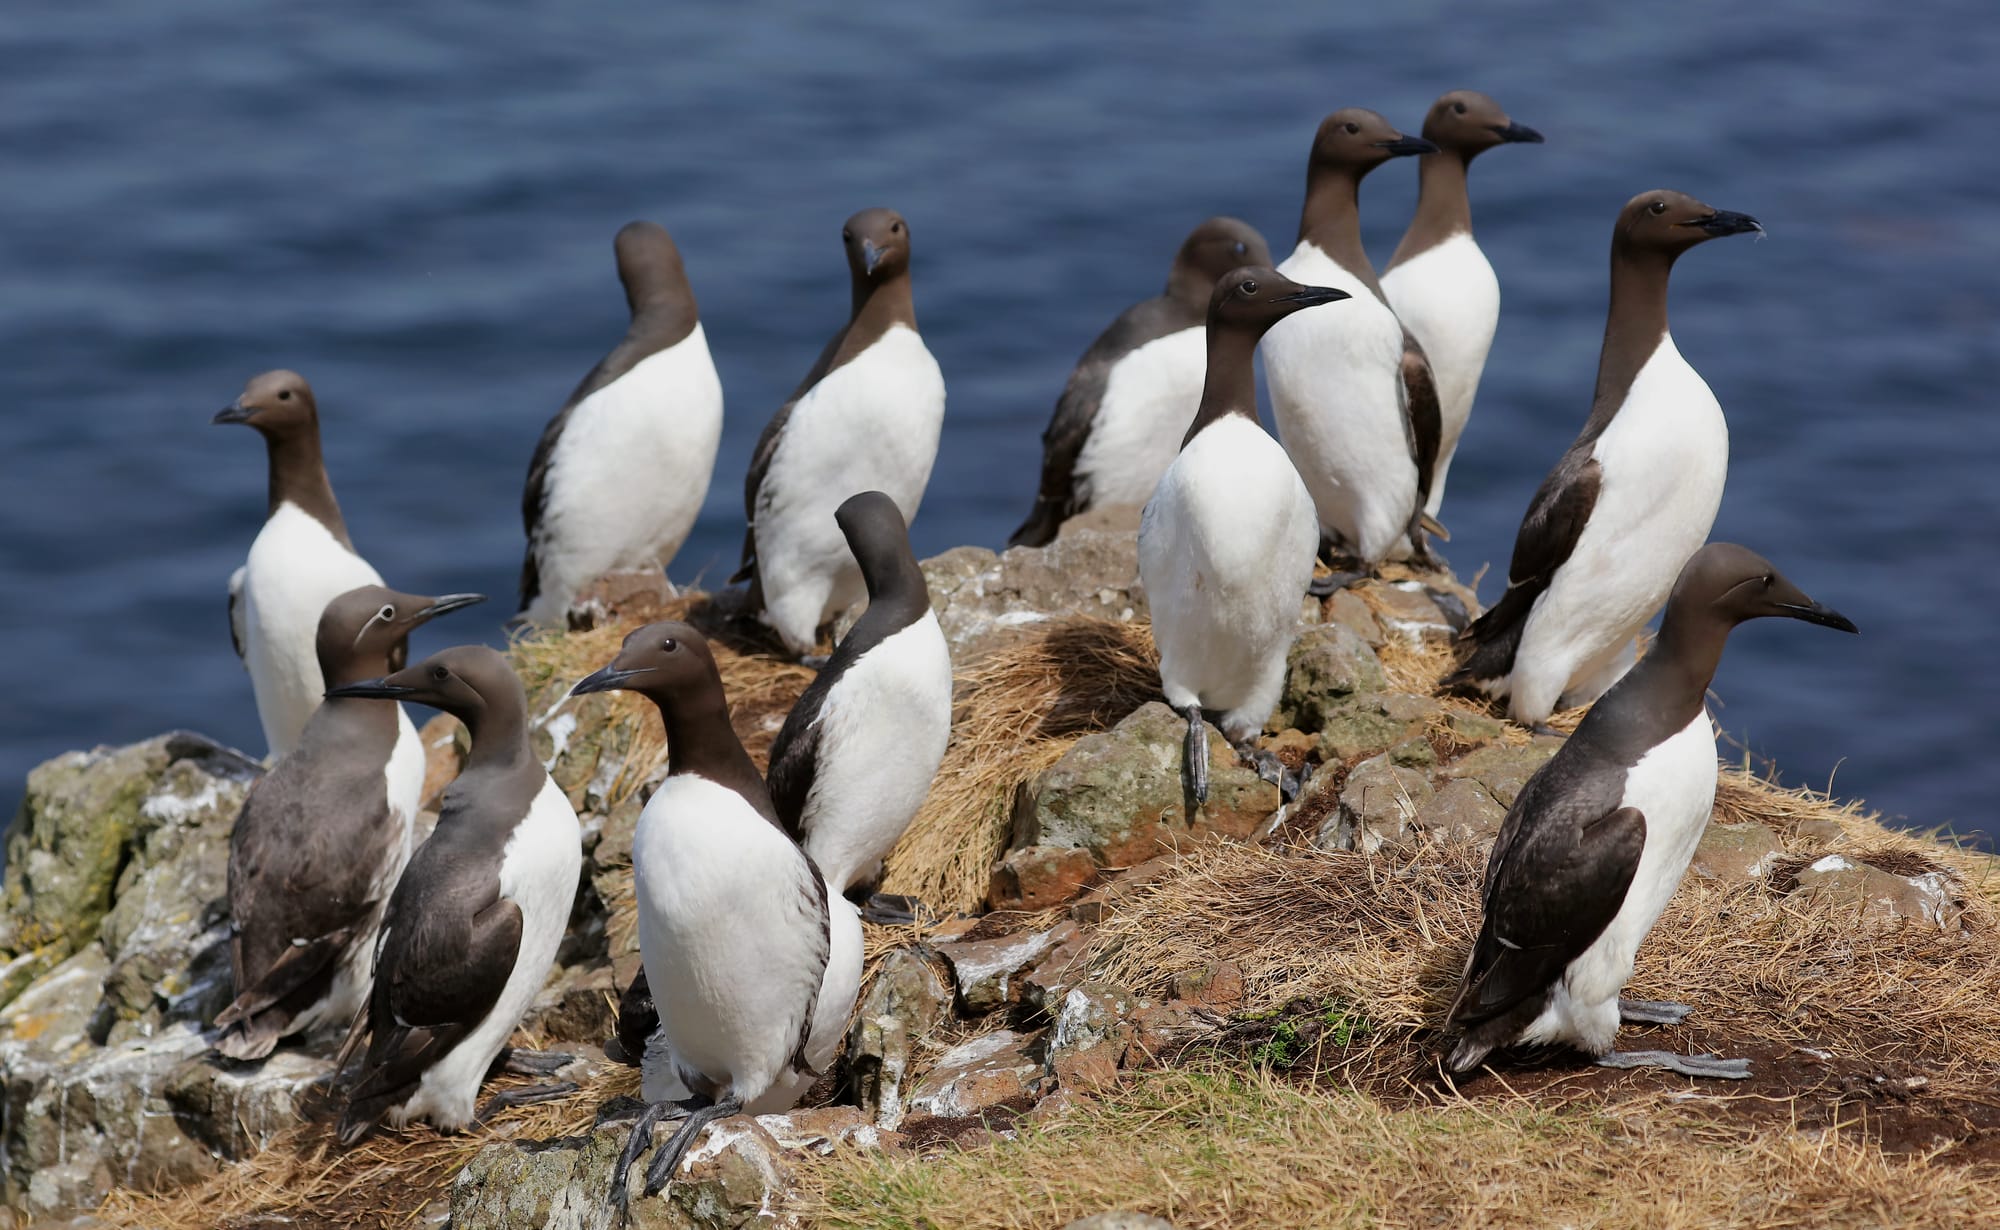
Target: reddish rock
{"points": [[1039, 877], [1159, 1030], [988, 972], [1218, 987], [979, 1074]]}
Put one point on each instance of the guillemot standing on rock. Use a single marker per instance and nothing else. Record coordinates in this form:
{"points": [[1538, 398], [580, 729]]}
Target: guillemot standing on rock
{"points": [[1226, 544], [855, 758], [1630, 501], [324, 835], [1354, 397], [474, 924], [1600, 836], [754, 964], [1439, 282], [301, 560], [866, 417], [622, 469], [1128, 402]]}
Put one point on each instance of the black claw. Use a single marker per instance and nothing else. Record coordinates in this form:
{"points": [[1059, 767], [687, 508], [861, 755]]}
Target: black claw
{"points": [[1333, 582], [1195, 753], [660, 1171]]}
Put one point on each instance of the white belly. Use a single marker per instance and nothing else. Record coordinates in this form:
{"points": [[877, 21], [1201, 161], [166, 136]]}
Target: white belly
{"points": [[1450, 300], [1336, 376], [629, 473], [1663, 461], [538, 873], [1674, 786], [837, 993], [870, 425], [1149, 399], [729, 932], [295, 568], [882, 733], [1225, 552]]}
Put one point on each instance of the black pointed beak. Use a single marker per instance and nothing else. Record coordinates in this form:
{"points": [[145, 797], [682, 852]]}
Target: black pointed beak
{"points": [[610, 679], [371, 689], [871, 256], [1403, 146], [1727, 222], [448, 603], [1313, 296], [1818, 613], [234, 412], [1519, 132]]}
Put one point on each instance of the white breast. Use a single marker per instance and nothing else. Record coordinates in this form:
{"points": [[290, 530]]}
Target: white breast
{"points": [[882, 732], [629, 472], [539, 870], [1663, 462], [870, 425], [1673, 785], [1225, 552], [1450, 300], [729, 929], [1149, 399], [295, 568], [1337, 392]]}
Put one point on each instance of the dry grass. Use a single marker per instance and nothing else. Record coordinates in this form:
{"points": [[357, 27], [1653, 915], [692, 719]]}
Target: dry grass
{"points": [[1016, 710], [386, 1181], [1210, 1148]]}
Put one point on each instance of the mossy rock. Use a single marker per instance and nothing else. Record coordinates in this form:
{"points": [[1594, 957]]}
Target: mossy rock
{"points": [[1328, 664]]}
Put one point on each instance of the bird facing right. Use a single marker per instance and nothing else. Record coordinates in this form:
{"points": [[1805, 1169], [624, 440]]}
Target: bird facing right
{"points": [[1599, 838], [1226, 544], [1628, 503]]}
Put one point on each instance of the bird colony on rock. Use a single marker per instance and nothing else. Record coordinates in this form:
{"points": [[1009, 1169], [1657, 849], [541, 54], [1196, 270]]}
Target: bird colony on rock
{"points": [[750, 943]]}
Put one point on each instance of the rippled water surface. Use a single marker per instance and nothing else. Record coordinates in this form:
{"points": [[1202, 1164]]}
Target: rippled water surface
{"points": [[413, 206]]}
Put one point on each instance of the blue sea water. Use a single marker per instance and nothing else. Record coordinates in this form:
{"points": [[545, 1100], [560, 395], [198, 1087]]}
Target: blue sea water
{"points": [[413, 205]]}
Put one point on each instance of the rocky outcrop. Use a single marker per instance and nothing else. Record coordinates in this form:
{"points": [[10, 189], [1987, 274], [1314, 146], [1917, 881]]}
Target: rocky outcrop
{"points": [[982, 598]]}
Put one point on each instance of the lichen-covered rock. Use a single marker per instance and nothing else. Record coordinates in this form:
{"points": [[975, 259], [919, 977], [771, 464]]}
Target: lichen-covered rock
{"points": [[979, 1074], [1121, 794], [1379, 803], [1883, 899], [81, 835], [1092, 1028], [1501, 769], [988, 972], [1219, 987], [1347, 609], [1462, 810], [1059, 967], [1328, 664], [903, 1005], [1040, 877], [237, 1110], [1737, 851], [982, 598]]}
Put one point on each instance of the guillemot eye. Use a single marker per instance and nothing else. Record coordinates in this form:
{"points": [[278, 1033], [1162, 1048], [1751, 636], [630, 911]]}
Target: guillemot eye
{"points": [[440, 674], [895, 228], [669, 645], [387, 612], [1659, 207], [284, 395], [847, 236], [1353, 127], [1458, 107], [1248, 286]]}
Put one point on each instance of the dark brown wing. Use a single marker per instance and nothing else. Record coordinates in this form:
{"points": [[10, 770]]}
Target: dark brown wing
{"points": [[1548, 535], [1076, 411], [1423, 417], [1549, 897], [236, 611]]}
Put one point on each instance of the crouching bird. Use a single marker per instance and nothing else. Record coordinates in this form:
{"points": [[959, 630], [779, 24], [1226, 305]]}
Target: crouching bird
{"points": [[474, 923], [1599, 838], [753, 963], [1226, 544]]}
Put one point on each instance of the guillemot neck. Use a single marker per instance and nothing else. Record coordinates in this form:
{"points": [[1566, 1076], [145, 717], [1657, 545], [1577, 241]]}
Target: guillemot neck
{"points": [[1634, 327], [1230, 387], [1443, 207], [298, 476], [1331, 222]]}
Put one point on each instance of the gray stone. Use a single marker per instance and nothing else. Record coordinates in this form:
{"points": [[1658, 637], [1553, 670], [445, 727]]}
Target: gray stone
{"points": [[1502, 770], [1379, 803], [1410, 610], [1120, 1219], [904, 1004], [1121, 794], [988, 972], [1092, 1028], [1882, 899], [1328, 663], [1462, 810], [982, 599], [1736, 851]]}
